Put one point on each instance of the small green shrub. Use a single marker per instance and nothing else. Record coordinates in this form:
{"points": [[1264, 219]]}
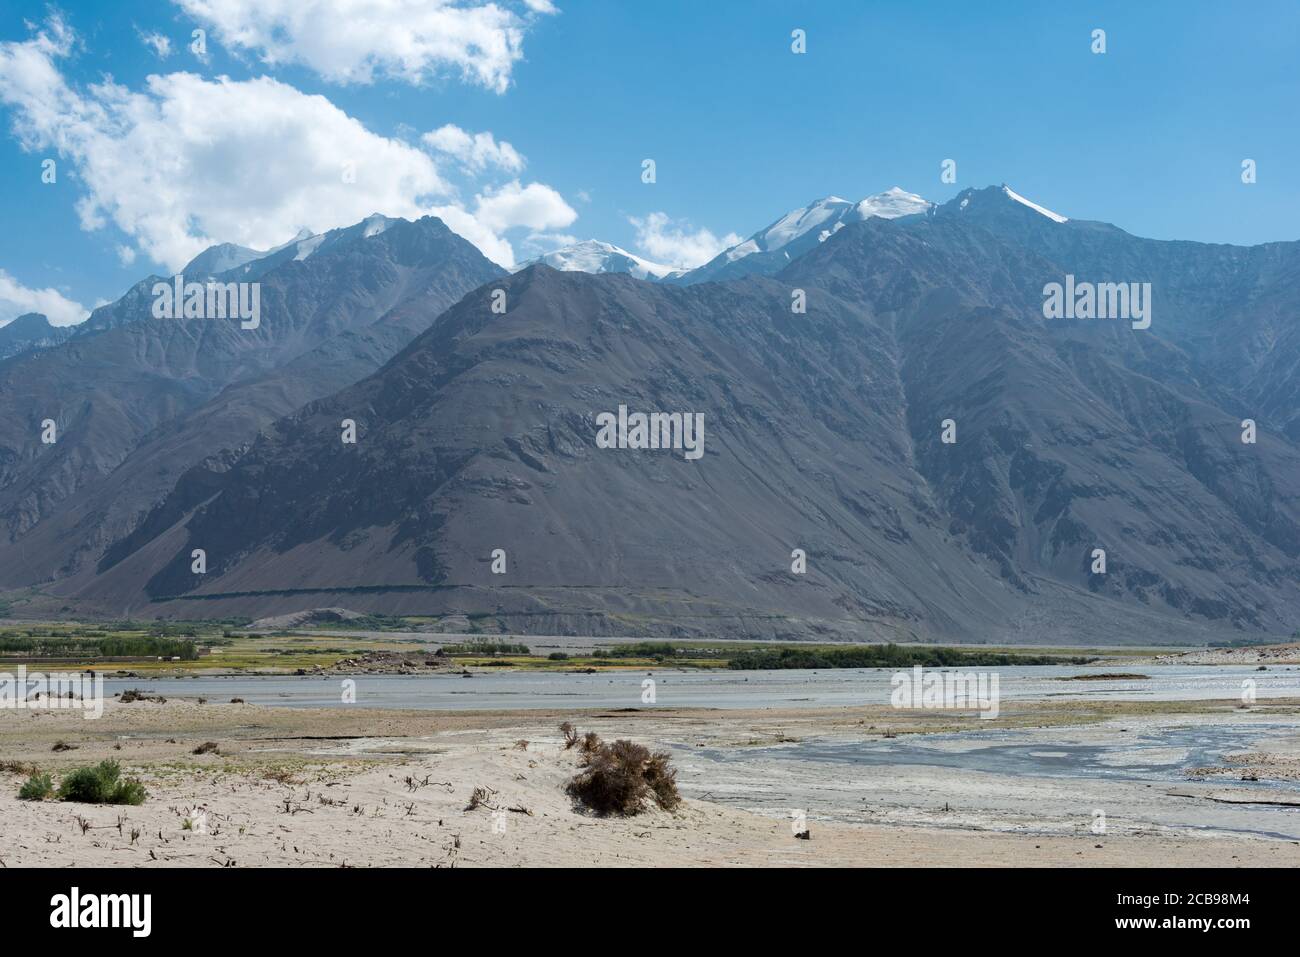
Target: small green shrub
{"points": [[102, 784], [38, 787]]}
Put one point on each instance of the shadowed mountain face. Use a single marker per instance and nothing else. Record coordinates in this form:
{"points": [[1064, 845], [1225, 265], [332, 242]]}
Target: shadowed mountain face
{"points": [[823, 431], [29, 332], [1231, 311], [137, 400]]}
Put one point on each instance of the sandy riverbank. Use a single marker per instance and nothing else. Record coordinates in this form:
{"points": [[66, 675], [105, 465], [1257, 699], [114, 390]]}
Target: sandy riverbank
{"points": [[331, 787], [1286, 654]]}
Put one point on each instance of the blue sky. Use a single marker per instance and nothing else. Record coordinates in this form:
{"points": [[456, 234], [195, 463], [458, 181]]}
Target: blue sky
{"points": [[1149, 135]]}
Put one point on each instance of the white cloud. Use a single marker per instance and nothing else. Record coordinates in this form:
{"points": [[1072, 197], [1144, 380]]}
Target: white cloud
{"points": [[160, 44], [188, 161], [17, 300], [474, 151], [353, 41], [674, 243], [534, 206]]}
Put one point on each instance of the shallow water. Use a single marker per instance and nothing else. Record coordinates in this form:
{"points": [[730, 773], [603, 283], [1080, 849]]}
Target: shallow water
{"points": [[1163, 754], [708, 689], [1041, 781]]}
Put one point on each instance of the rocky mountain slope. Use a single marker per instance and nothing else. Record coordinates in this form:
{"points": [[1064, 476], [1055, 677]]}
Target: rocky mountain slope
{"points": [[824, 431], [137, 400]]}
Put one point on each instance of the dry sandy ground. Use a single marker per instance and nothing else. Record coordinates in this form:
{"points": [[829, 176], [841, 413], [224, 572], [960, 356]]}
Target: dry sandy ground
{"points": [[297, 787], [1287, 654]]}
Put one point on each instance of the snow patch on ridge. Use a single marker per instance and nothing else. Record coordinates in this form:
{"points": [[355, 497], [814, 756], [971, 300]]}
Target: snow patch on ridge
{"points": [[375, 224], [1057, 217], [305, 247], [797, 222]]}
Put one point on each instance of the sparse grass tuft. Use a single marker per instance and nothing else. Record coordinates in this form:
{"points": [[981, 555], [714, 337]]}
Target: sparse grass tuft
{"points": [[282, 776]]}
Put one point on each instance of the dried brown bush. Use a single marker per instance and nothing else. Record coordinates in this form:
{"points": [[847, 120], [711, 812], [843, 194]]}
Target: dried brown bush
{"points": [[619, 778], [131, 695], [662, 779], [570, 735]]}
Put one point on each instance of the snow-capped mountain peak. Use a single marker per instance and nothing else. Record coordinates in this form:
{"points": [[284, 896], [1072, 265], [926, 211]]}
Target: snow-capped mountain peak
{"points": [[770, 249], [832, 212], [219, 258], [891, 204], [594, 256], [821, 215]]}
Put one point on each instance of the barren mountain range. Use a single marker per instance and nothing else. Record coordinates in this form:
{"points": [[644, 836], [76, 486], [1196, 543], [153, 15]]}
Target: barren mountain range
{"points": [[475, 395]]}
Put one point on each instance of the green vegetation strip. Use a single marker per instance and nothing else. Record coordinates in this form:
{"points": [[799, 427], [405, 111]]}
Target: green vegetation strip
{"points": [[109, 646]]}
